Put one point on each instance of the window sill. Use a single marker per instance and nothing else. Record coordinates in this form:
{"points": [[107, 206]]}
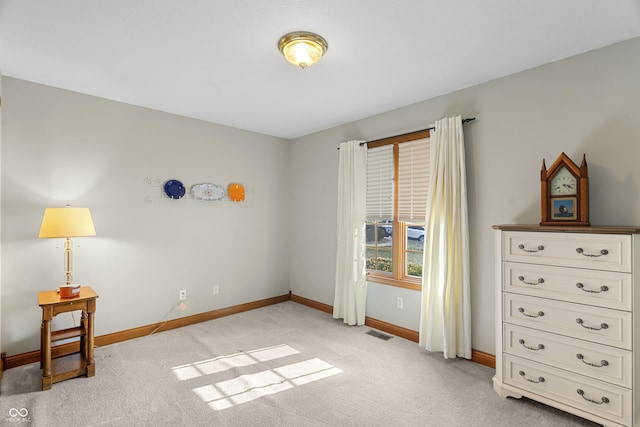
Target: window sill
{"points": [[416, 284]]}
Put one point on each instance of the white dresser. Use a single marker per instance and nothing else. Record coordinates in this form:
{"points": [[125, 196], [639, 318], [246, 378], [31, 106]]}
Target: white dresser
{"points": [[568, 319]]}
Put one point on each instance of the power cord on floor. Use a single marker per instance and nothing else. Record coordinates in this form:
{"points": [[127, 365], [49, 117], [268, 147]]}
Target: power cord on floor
{"points": [[182, 306]]}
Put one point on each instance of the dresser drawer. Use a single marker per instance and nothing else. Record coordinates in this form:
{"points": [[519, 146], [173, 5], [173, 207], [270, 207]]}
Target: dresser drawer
{"points": [[594, 251], [582, 357], [600, 288], [598, 398], [601, 325]]}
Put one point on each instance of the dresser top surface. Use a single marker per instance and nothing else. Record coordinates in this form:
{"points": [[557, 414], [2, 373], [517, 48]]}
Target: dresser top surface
{"points": [[569, 228]]}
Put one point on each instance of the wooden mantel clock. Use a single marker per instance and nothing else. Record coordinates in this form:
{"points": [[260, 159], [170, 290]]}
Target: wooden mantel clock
{"points": [[564, 192]]}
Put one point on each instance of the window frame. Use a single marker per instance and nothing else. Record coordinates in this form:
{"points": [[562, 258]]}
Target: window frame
{"points": [[398, 276]]}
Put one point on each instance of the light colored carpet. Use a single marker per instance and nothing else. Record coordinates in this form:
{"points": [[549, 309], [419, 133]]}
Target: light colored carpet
{"points": [[282, 365]]}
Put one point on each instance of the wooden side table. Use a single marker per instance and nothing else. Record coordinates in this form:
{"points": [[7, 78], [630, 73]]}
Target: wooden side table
{"points": [[75, 361]]}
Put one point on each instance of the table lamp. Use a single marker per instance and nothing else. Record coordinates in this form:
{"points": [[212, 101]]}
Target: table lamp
{"points": [[66, 223]]}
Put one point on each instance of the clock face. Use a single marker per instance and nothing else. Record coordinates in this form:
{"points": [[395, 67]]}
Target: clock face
{"points": [[564, 183]]}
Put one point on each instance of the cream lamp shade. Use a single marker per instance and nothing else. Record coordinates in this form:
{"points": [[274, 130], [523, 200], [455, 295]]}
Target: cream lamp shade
{"points": [[302, 48], [66, 223]]}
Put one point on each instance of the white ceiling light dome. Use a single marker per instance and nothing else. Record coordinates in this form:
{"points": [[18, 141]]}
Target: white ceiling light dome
{"points": [[302, 48]]}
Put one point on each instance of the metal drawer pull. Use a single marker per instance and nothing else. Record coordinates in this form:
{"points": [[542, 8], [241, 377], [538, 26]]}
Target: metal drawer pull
{"points": [[521, 247], [539, 282], [603, 400], [539, 347], [603, 288], [539, 314], [602, 252], [602, 325], [540, 379], [602, 362]]}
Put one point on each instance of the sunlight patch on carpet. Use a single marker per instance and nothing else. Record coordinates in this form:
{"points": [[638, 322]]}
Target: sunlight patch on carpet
{"points": [[245, 388], [224, 363]]}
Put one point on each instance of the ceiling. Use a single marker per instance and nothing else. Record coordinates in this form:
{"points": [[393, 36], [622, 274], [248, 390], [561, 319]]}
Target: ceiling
{"points": [[218, 60]]}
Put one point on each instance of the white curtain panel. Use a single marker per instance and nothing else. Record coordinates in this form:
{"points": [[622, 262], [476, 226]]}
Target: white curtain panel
{"points": [[351, 285], [445, 320]]}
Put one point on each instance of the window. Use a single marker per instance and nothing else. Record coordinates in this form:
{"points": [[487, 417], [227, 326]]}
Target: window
{"points": [[397, 187]]}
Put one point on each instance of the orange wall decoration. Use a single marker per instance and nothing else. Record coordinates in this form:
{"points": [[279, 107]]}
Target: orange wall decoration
{"points": [[236, 192]]}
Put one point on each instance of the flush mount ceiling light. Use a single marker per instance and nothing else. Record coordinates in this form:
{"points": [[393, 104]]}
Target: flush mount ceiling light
{"points": [[302, 48]]}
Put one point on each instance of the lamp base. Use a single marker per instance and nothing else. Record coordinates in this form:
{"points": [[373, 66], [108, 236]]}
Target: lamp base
{"points": [[69, 291]]}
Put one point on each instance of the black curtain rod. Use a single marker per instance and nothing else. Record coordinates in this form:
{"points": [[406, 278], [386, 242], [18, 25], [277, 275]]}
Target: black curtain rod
{"points": [[431, 128], [463, 122]]}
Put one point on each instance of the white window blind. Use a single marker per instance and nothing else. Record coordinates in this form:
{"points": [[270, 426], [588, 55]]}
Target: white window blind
{"points": [[413, 180], [380, 183]]}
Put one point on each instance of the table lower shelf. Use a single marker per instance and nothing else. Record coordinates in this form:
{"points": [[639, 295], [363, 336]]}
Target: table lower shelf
{"points": [[66, 367]]}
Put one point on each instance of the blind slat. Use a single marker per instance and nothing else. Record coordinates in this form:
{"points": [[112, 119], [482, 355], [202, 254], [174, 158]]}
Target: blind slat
{"points": [[413, 180], [380, 183]]}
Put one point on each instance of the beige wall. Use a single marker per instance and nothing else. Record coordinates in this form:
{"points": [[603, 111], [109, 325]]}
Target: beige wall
{"points": [[62, 147], [1, 347], [585, 104]]}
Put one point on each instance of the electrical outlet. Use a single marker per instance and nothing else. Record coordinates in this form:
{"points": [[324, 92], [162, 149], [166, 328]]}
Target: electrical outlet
{"points": [[216, 289], [183, 295], [399, 303]]}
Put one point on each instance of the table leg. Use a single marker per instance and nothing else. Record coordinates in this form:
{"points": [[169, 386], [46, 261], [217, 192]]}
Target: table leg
{"points": [[83, 337], [91, 367], [41, 344], [45, 355]]}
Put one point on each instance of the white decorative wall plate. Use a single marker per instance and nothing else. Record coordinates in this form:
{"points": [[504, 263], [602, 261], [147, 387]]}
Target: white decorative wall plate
{"points": [[207, 192]]}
